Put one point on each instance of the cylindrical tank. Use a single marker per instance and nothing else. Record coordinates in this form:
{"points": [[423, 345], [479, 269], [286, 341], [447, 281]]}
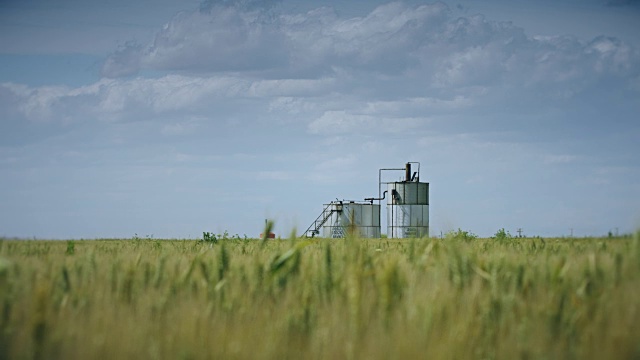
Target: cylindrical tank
{"points": [[407, 209], [364, 217]]}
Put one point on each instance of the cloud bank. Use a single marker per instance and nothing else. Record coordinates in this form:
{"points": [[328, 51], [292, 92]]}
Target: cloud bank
{"points": [[395, 39], [401, 64]]}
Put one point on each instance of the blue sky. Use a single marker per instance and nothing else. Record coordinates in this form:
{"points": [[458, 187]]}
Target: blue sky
{"points": [[170, 118]]}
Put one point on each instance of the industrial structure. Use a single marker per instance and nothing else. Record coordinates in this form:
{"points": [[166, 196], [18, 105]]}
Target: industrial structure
{"points": [[407, 210]]}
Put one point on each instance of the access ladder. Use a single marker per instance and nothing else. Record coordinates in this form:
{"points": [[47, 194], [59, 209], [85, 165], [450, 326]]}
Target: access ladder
{"points": [[314, 228]]}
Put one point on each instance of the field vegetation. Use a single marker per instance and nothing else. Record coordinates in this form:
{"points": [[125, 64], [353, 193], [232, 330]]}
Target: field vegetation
{"points": [[459, 297]]}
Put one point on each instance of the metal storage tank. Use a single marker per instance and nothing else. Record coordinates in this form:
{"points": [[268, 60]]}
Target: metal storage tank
{"points": [[365, 218], [408, 207]]}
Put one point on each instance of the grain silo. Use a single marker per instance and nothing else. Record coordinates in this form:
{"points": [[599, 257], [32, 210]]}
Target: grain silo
{"points": [[408, 206], [362, 218], [340, 216]]}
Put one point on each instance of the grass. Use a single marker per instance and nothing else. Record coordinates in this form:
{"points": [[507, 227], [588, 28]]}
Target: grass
{"points": [[452, 298]]}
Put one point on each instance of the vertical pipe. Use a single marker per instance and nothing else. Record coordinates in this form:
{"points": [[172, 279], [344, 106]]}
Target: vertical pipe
{"points": [[379, 185], [408, 172], [392, 220]]}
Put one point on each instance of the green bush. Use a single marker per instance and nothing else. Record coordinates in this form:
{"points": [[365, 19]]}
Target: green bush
{"points": [[501, 234], [209, 237], [461, 235]]}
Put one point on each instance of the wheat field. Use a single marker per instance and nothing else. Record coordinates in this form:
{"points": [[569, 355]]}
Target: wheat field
{"points": [[451, 298]]}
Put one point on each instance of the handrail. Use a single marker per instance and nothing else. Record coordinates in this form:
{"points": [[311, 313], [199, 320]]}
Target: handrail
{"points": [[317, 223]]}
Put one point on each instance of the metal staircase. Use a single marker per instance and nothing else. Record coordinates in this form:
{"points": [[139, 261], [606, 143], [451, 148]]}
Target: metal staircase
{"points": [[314, 228]]}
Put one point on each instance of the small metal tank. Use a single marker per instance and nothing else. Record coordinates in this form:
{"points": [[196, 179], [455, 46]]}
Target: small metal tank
{"points": [[408, 207], [364, 217]]}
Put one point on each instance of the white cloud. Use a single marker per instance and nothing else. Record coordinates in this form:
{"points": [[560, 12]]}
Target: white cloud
{"points": [[332, 122], [291, 87], [611, 55], [181, 128], [110, 99], [291, 105], [124, 62], [417, 105], [559, 159], [341, 122], [335, 169], [218, 38]]}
